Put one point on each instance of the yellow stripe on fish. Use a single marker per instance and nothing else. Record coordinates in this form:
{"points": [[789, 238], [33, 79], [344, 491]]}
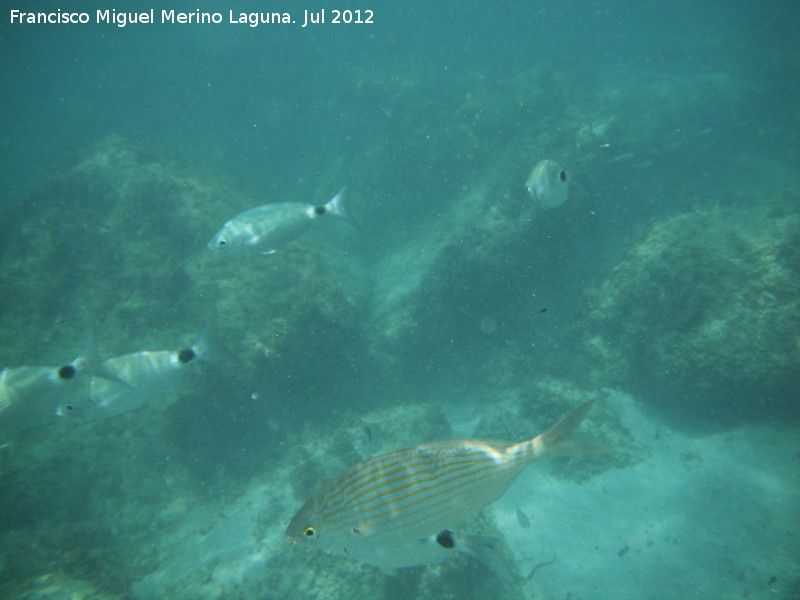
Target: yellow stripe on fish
{"points": [[408, 495]]}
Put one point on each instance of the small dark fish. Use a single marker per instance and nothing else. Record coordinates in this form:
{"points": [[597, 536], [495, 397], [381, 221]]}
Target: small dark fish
{"points": [[523, 519], [623, 551], [544, 310]]}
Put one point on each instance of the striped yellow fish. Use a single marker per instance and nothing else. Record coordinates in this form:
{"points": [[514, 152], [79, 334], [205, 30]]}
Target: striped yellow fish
{"points": [[402, 497]]}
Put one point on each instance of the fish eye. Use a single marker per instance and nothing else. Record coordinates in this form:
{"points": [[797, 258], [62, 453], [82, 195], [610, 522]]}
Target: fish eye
{"points": [[66, 372], [562, 176], [310, 532], [320, 210], [69, 407], [186, 356], [221, 243]]}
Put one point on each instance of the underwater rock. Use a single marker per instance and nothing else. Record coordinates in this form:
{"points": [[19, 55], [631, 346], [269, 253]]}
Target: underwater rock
{"points": [[104, 236], [440, 298], [118, 235], [60, 586], [702, 313]]}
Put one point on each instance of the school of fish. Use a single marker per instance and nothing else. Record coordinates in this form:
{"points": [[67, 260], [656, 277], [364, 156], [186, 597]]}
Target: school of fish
{"points": [[391, 510]]}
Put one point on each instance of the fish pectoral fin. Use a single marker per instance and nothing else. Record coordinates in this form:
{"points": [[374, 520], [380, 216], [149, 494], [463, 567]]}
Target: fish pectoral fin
{"points": [[108, 376], [363, 530], [474, 542]]}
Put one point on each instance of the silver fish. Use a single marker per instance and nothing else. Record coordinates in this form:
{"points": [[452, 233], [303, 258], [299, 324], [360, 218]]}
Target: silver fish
{"points": [[366, 439], [30, 396], [147, 375], [547, 184], [401, 497], [262, 229]]}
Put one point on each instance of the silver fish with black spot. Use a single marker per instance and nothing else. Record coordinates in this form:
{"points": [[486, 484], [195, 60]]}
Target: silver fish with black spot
{"points": [[263, 229], [30, 396], [151, 377], [548, 184]]}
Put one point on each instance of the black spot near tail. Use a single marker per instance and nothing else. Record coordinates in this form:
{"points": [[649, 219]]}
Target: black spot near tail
{"points": [[66, 372], [445, 539]]}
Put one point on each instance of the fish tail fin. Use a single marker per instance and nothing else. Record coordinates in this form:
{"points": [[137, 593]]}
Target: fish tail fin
{"points": [[562, 432], [91, 362], [335, 206], [207, 347], [562, 440]]}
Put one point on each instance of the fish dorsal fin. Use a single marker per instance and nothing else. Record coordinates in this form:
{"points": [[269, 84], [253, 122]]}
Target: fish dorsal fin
{"points": [[90, 361]]}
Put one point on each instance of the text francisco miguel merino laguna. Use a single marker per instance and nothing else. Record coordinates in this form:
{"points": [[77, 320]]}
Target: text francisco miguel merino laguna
{"points": [[252, 19]]}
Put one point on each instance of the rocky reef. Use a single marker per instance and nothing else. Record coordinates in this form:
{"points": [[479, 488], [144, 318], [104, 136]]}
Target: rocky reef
{"points": [[117, 236], [702, 312], [442, 304]]}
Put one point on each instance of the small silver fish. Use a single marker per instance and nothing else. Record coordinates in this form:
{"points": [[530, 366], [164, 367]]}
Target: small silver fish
{"points": [[30, 396], [547, 184], [147, 375], [262, 229], [405, 496], [366, 439]]}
